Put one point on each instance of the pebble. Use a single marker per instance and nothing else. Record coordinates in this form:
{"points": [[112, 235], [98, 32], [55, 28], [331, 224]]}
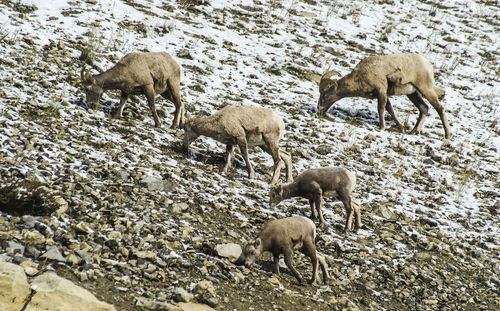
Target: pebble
{"points": [[182, 295]]}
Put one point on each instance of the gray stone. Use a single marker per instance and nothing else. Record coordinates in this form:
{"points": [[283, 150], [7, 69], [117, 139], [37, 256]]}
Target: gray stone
{"points": [[205, 286], [209, 300], [83, 227], [122, 175], [152, 183], [29, 221], [62, 205], [323, 149], [384, 212], [72, 259], [53, 253], [179, 207], [150, 304], [182, 295], [232, 251], [347, 304], [14, 248], [55, 293], [86, 257], [191, 306], [428, 161], [14, 287]]}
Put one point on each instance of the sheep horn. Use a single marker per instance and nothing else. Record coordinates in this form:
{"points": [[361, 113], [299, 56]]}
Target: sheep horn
{"points": [[329, 74], [325, 81]]}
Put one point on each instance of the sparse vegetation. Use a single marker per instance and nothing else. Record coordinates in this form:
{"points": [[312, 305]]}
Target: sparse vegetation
{"points": [[26, 198]]}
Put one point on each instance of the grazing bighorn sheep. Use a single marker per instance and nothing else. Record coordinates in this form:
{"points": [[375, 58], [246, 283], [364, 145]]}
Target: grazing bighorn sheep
{"points": [[243, 126], [315, 183], [139, 73], [383, 76], [282, 236]]}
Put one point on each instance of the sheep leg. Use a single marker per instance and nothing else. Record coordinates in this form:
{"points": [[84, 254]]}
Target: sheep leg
{"points": [[150, 95], [229, 153], [288, 253], [309, 249], [357, 214], [314, 215], [123, 100], [389, 109], [346, 200], [276, 263], [180, 110], [324, 267], [318, 202], [382, 102], [285, 156], [244, 151], [423, 110], [272, 146], [431, 96]]}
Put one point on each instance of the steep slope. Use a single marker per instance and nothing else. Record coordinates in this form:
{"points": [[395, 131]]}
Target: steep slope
{"points": [[144, 218]]}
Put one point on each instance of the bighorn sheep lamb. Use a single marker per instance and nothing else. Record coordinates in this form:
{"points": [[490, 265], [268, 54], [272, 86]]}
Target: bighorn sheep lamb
{"points": [[282, 236], [243, 126], [383, 76], [315, 183], [139, 73]]}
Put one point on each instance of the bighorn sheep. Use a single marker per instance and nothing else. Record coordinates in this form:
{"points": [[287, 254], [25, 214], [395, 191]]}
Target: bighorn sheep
{"points": [[282, 236], [315, 183], [383, 76], [139, 73], [243, 126]]}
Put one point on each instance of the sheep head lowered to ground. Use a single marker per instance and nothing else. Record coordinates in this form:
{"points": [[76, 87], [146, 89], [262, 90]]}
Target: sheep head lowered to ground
{"points": [[243, 126], [139, 73], [282, 236], [315, 183], [382, 76]]}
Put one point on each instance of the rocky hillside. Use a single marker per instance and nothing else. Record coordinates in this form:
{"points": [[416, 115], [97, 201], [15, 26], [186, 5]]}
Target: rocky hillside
{"points": [[119, 208]]}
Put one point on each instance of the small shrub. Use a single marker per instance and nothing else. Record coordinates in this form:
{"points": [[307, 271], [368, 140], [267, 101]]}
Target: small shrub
{"points": [[27, 198]]}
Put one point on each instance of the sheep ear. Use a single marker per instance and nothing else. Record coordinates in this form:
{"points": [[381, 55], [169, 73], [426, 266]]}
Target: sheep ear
{"points": [[280, 189], [256, 243], [85, 74]]}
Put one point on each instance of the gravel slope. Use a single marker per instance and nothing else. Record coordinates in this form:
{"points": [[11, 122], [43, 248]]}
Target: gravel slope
{"points": [[144, 218]]}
